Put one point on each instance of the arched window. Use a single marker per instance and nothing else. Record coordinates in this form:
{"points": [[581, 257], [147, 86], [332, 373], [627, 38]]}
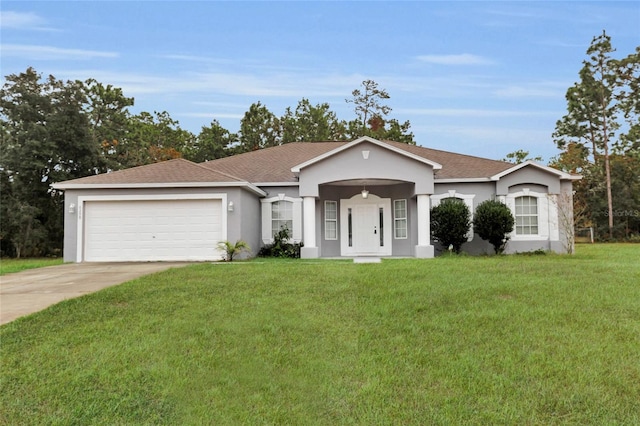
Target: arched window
{"points": [[278, 212]]}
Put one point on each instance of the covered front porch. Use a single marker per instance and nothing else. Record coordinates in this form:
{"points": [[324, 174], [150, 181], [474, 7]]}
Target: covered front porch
{"points": [[366, 198], [366, 218]]}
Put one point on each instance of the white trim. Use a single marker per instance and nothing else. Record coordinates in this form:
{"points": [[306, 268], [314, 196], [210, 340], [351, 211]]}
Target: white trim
{"points": [[559, 173], [276, 184], [141, 197], [252, 187], [466, 198], [296, 169], [462, 180], [267, 231]]}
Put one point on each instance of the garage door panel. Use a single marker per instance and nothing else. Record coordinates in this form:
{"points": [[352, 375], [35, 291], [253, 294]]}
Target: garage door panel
{"points": [[152, 230]]}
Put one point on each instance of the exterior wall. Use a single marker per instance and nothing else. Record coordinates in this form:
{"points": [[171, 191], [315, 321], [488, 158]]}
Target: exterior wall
{"points": [[515, 184], [528, 175], [244, 222], [381, 163], [483, 191], [239, 226]]}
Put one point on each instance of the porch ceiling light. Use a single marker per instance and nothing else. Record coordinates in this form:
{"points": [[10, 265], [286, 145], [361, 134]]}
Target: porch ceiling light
{"points": [[364, 192]]}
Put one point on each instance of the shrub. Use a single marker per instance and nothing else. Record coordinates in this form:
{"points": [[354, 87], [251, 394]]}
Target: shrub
{"points": [[493, 222], [230, 249], [450, 222], [281, 247]]}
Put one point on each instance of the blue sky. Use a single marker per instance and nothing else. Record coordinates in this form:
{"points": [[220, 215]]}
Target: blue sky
{"points": [[481, 78]]}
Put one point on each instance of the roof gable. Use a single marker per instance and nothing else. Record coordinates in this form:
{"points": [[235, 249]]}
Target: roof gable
{"points": [[403, 152], [529, 163]]}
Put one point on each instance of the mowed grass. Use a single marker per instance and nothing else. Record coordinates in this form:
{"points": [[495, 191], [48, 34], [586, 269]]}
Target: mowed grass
{"points": [[455, 340], [8, 266]]}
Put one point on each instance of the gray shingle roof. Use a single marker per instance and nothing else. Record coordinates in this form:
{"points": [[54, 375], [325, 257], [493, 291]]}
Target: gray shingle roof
{"points": [[171, 171], [274, 165]]}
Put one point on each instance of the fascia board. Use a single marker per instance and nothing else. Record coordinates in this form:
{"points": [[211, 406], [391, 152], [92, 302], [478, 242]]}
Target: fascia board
{"points": [[461, 180], [251, 187], [560, 174]]}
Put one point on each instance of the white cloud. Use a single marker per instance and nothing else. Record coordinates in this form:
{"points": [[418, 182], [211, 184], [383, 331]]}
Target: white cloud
{"points": [[461, 59], [535, 90], [23, 21], [36, 52]]}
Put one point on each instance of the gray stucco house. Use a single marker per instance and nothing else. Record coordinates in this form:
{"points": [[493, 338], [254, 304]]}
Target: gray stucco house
{"points": [[360, 198]]}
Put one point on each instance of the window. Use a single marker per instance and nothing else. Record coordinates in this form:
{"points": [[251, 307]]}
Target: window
{"points": [[281, 216], [400, 219], [350, 221], [381, 223], [526, 215], [330, 220], [280, 211]]}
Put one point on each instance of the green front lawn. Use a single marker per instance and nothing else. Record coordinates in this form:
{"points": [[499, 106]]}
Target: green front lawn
{"points": [[457, 340], [8, 266]]}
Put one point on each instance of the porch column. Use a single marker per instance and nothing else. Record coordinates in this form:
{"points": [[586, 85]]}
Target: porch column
{"points": [[309, 250], [424, 249]]}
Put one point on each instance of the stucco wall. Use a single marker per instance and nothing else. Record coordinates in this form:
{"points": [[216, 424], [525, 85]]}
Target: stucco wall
{"points": [[528, 175], [381, 163]]}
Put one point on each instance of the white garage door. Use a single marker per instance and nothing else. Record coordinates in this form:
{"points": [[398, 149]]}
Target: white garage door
{"points": [[152, 230]]}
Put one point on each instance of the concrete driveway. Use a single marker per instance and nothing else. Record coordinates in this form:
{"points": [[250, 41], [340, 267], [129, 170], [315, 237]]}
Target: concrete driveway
{"points": [[23, 293]]}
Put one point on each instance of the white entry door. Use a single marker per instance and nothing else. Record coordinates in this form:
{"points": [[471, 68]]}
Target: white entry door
{"points": [[366, 229], [365, 226]]}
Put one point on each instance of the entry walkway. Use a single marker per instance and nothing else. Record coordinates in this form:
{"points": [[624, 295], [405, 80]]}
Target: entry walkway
{"points": [[33, 290]]}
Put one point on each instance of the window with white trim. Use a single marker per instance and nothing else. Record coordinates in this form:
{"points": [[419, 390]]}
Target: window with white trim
{"points": [[535, 213], [330, 220], [400, 219], [526, 215], [278, 212], [281, 216]]}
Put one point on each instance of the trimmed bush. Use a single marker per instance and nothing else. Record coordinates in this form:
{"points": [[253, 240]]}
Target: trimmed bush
{"points": [[493, 222], [450, 222]]}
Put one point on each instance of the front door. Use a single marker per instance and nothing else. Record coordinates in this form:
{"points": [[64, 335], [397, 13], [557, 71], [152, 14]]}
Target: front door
{"points": [[366, 229], [365, 226]]}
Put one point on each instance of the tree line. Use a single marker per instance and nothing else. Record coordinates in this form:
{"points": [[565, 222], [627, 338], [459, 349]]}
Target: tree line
{"points": [[54, 130], [599, 137]]}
